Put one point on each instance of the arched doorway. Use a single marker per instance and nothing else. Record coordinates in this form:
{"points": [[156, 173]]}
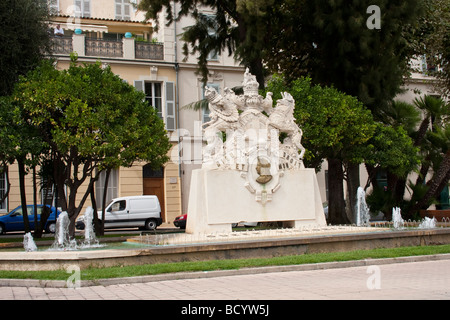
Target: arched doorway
{"points": [[153, 184]]}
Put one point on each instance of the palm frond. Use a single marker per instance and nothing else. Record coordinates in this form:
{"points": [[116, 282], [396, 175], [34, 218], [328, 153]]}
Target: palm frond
{"points": [[197, 105]]}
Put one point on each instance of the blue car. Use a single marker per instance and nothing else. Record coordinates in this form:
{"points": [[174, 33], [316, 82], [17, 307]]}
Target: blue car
{"points": [[13, 221]]}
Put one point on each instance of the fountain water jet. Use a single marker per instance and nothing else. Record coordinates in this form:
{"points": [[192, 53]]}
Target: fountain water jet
{"points": [[362, 210], [62, 239], [428, 223], [399, 223], [397, 219], [28, 242], [90, 240]]}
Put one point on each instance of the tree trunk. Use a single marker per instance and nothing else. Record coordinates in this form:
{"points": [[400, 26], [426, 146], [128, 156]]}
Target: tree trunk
{"points": [[23, 198], [372, 172], [46, 210], [336, 203], [436, 182], [105, 191], [4, 170], [96, 221], [423, 128], [37, 223], [75, 210]]}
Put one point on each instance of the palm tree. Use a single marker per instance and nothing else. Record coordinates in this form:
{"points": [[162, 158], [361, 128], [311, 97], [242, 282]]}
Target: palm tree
{"points": [[435, 111], [433, 137], [441, 176]]}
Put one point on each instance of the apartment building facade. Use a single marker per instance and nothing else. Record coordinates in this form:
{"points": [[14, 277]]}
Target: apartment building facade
{"points": [[114, 33]]}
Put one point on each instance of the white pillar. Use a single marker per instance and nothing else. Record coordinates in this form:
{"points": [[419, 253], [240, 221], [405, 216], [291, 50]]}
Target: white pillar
{"points": [[128, 48], [79, 44]]}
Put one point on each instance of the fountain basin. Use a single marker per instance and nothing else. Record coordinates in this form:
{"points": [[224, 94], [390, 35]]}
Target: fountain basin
{"points": [[257, 248]]}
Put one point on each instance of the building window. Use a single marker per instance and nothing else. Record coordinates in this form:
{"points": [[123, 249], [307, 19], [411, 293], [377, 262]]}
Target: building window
{"points": [[148, 172], [154, 91], [49, 193], [53, 5], [123, 8], [153, 96], [112, 190], [83, 8], [205, 112], [213, 55]]}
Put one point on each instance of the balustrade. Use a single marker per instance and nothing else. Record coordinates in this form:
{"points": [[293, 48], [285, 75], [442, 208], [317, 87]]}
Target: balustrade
{"points": [[108, 48]]}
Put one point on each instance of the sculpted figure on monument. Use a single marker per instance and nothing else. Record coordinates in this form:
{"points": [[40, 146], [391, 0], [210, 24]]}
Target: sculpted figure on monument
{"points": [[282, 118], [252, 128], [224, 117], [251, 103], [223, 112]]}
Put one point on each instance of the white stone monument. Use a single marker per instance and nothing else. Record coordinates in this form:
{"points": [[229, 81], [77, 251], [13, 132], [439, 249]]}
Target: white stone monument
{"points": [[247, 174]]}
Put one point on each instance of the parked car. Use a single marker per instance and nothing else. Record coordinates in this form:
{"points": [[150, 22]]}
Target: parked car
{"points": [[180, 221], [134, 211], [13, 221]]}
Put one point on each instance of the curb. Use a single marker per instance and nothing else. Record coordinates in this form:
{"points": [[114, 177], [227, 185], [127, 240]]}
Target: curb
{"points": [[222, 273]]}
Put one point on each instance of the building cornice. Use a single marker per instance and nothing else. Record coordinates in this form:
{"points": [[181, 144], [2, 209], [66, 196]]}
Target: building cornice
{"points": [[92, 20], [116, 61]]}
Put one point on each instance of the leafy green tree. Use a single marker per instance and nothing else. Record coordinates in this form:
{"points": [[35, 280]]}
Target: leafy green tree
{"points": [[91, 120], [331, 42], [6, 141], [425, 153], [237, 26], [328, 41], [390, 151], [434, 142], [335, 127], [21, 143], [431, 37], [25, 40]]}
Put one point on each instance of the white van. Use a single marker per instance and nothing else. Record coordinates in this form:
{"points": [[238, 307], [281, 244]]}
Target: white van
{"points": [[135, 211]]}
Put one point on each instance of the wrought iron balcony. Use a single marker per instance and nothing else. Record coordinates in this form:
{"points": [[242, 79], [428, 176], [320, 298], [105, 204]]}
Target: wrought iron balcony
{"points": [[108, 48], [104, 48], [62, 45], [151, 51]]}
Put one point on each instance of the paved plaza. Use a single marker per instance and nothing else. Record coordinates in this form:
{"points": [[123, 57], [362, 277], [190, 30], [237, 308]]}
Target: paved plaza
{"points": [[424, 280]]}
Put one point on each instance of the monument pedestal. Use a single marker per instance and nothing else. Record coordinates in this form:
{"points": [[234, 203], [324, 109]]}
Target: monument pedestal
{"points": [[218, 198]]}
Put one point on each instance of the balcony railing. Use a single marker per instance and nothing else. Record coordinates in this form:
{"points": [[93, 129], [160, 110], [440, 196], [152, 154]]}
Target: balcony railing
{"points": [[125, 49], [62, 45], [145, 50], [104, 48]]}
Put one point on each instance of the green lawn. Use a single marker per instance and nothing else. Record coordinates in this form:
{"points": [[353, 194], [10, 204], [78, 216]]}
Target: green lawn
{"points": [[152, 269]]}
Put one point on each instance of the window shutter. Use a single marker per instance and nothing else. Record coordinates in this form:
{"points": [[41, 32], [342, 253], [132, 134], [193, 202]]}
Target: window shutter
{"points": [[126, 10], [170, 106], [118, 9], [78, 8], [139, 85], [86, 8]]}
